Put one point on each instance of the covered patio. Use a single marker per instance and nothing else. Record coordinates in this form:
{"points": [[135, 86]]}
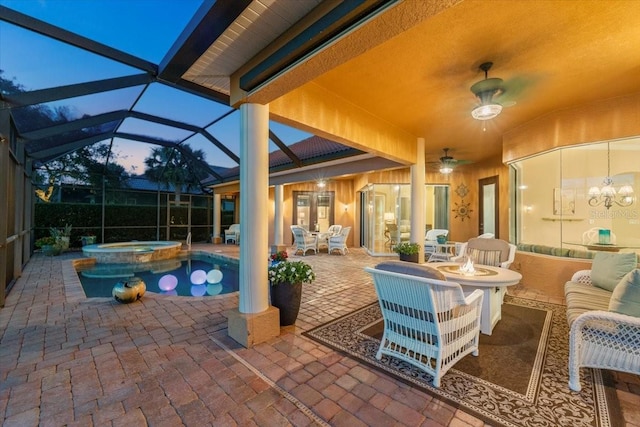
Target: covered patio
{"points": [[386, 84]]}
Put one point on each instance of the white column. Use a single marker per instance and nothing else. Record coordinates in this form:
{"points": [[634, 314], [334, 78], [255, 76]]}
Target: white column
{"points": [[418, 197], [254, 202], [216, 218], [278, 219]]}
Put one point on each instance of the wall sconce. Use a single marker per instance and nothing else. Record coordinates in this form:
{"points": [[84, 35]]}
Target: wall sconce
{"points": [[346, 207]]}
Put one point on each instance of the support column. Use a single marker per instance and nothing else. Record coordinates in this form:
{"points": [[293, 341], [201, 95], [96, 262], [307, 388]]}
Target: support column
{"points": [[254, 321], [418, 198], [278, 220], [217, 213]]}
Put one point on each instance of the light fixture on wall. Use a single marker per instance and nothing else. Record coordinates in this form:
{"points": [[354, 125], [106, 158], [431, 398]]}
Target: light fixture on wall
{"points": [[607, 195]]}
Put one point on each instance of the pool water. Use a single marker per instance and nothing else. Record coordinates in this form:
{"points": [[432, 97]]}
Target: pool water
{"points": [[194, 275]]}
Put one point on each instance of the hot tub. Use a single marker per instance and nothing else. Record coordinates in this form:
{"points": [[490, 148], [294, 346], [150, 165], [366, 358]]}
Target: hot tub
{"points": [[132, 252]]}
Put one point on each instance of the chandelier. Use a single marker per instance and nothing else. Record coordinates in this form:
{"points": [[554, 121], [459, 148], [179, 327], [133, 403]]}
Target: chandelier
{"points": [[607, 195]]}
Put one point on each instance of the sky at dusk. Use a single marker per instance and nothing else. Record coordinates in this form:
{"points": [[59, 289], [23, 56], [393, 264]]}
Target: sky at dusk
{"points": [[144, 28]]}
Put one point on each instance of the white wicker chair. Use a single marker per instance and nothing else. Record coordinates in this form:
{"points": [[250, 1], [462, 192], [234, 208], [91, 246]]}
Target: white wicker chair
{"points": [[428, 323], [431, 239], [339, 241], [323, 238], [483, 243], [304, 240], [602, 339], [232, 234]]}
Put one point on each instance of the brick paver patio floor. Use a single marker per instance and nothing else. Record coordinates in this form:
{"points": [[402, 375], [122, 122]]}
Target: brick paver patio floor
{"points": [[167, 361]]}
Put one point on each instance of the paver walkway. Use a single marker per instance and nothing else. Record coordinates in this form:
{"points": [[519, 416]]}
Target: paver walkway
{"points": [[167, 361]]}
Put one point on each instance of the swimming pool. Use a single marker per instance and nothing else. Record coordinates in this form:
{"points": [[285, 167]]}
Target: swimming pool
{"points": [[188, 275]]}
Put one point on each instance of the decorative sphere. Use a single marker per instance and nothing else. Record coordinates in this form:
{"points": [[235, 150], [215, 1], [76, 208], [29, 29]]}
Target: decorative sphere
{"points": [[198, 290], [129, 290], [198, 277], [168, 282], [214, 276], [214, 289]]}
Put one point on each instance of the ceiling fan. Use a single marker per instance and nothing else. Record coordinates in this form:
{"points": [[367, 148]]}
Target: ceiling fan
{"points": [[489, 93], [447, 163]]}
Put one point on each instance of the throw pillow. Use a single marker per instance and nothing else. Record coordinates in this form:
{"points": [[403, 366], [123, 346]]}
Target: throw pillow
{"points": [[412, 269], [485, 257], [608, 268], [625, 298]]}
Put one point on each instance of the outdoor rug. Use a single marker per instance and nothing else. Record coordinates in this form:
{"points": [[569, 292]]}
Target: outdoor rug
{"points": [[520, 377]]}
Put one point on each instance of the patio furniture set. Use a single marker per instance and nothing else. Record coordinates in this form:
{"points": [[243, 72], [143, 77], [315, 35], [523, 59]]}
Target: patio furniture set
{"points": [[334, 239], [433, 313]]}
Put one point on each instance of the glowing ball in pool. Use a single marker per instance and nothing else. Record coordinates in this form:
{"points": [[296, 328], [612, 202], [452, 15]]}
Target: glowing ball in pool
{"points": [[198, 277], [214, 289], [168, 282], [198, 290], [214, 276]]}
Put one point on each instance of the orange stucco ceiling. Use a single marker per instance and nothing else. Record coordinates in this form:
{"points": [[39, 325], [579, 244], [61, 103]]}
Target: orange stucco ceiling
{"points": [[552, 55]]}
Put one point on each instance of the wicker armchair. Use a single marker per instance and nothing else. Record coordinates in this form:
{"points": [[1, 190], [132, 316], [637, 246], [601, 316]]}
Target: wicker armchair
{"points": [[303, 240], [339, 241], [232, 234], [428, 322], [599, 338]]}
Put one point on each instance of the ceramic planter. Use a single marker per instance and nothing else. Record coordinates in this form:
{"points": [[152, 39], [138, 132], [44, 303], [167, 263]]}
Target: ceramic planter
{"points": [[409, 257], [88, 240], [129, 290], [51, 250], [286, 297]]}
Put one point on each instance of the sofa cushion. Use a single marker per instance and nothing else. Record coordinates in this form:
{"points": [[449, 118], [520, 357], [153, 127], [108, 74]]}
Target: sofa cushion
{"points": [[625, 298], [581, 298], [490, 245], [412, 269], [485, 257], [609, 268]]}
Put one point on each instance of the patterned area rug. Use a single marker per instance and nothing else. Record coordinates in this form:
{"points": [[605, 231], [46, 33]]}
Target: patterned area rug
{"points": [[519, 378]]}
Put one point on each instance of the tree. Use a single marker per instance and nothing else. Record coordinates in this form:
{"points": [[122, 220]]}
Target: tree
{"points": [[180, 167], [88, 165]]}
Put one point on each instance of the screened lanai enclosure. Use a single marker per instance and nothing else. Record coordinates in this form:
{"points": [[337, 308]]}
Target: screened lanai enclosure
{"points": [[101, 132]]}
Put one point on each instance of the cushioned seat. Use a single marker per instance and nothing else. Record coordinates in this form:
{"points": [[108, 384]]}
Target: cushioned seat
{"points": [[428, 321], [603, 311], [581, 298], [495, 252]]}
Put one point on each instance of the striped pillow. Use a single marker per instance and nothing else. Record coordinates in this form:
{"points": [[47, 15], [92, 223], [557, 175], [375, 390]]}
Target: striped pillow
{"points": [[485, 257]]}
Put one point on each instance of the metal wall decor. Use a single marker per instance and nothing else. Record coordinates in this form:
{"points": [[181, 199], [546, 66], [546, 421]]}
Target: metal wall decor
{"points": [[462, 209]]}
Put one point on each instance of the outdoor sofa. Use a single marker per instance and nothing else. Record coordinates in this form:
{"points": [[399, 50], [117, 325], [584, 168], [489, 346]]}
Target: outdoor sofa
{"points": [[603, 311]]}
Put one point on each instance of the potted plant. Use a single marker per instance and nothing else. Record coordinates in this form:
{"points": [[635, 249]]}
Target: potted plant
{"points": [[286, 279], [408, 251], [62, 235], [49, 245], [88, 238], [278, 257]]}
